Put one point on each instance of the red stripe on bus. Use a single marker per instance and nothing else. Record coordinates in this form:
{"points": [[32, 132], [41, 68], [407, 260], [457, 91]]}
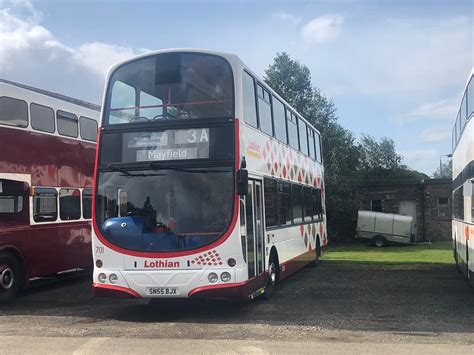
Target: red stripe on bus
{"points": [[101, 290], [174, 254]]}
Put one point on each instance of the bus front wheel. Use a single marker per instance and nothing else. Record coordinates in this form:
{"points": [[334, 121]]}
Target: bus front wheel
{"points": [[11, 277], [273, 270]]}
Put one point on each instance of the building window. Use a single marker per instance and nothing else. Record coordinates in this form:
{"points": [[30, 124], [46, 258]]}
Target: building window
{"points": [[264, 110], [67, 124], [13, 112], [45, 205], [443, 207], [88, 129], [69, 204], [42, 118], [248, 91], [271, 202], [376, 205]]}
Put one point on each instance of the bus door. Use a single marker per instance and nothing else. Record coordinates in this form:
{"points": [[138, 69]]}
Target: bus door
{"points": [[254, 229]]}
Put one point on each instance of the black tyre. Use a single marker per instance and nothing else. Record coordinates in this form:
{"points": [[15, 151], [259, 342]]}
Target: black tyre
{"points": [[379, 241], [273, 276], [317, 251], [11, 277]]}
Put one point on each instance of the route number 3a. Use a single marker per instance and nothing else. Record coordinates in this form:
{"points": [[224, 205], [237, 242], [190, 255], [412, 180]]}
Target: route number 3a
{"points": [[198, 136], [99, 250]]}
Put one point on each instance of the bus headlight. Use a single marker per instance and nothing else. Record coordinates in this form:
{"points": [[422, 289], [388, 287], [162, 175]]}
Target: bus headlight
{"points": [[102, 278], [212, 277], [225, 276], [113, 278]]}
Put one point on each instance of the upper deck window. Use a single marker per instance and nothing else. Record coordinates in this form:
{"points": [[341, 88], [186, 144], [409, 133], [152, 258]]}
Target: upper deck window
{"points": [[13, 112], [303, 137], [264, 110], [88, 129], [292, 130], [470, 97], [279, 120], [67, 124], [42, 118], [170, 86], [317, 139], [248, 96]]}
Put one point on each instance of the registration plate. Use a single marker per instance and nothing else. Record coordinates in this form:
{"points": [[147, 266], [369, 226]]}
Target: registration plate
{"points": [[163, 291]]}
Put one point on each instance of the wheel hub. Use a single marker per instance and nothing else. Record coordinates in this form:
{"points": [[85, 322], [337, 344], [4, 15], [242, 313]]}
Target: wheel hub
{"points": [[272, 274], [6, 278]]}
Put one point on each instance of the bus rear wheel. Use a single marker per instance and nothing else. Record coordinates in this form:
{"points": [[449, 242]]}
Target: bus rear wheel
{"points": [[11, 277]]}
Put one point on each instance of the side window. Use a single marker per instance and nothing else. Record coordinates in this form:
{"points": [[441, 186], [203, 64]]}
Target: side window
{"points": [[271, 202], [463, 111], [67, 124], [317, 141], [250, 108], [264, 110], [11, 196], [458, 125], [284, 203], [69, 204], [45, 205], [42, 118], [279, 119], [303, 137], [89, 129], [122, 103], [13, 112], [470, 97], [308, 204], [292, 130], [318, 206], [87, 203], [312, 152], [458, 203], [297, 203]]}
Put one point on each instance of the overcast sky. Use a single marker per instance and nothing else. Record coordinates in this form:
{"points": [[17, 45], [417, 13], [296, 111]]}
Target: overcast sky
{"points": [[394, 69]]}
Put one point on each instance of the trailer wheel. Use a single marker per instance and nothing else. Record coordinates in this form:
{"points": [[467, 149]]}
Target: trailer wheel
{"points": [[11, 277], [379, 241]]}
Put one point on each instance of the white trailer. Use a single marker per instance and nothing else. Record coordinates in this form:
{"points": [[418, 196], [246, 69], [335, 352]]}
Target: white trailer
{"points": [[382, 228]]}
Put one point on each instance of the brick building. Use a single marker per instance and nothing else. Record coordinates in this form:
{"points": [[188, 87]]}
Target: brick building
{"points": [[428, 201]]}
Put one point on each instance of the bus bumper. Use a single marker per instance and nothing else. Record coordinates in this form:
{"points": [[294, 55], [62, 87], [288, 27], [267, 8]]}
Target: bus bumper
{"points": [[112, 291], [234, 291]]}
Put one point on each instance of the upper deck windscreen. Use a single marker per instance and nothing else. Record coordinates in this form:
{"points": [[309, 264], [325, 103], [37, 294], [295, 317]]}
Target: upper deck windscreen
{"points": [[170, 86]]}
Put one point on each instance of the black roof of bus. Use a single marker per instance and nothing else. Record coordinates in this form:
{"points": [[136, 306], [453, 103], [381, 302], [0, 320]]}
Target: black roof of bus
{"points": [[55, 95]]}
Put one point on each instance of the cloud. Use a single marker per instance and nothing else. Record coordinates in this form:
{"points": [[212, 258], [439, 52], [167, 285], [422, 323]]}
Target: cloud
{"points": [[32, 55], [438, 110], [435, 135], [322, 29], [287, 17], [424, 160]]}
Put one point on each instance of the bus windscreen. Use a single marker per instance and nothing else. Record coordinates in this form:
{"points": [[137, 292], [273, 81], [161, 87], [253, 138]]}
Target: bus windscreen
{"points": [[170, 86]]}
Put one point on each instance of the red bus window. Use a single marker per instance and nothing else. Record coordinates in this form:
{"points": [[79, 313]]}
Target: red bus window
{"points": [[45, 205], [87, 203], [11, 196], [69, 204]]}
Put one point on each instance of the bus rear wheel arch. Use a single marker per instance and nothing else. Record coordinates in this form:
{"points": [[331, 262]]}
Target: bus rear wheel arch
{"points": [[11, 276]]}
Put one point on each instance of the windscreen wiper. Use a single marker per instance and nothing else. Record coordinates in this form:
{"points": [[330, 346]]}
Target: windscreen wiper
{"points": [[116, 168]]}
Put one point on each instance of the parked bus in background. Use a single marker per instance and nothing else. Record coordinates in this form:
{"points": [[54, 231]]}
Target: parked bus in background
{"points": [[47, 151], [463, 180], [207, 183]]}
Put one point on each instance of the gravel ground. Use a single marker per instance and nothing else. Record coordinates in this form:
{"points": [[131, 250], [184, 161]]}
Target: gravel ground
{"points": [[335, 302]]}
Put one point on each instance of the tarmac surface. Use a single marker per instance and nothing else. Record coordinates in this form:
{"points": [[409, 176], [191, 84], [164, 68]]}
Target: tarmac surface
{"points": [[334, 308]]}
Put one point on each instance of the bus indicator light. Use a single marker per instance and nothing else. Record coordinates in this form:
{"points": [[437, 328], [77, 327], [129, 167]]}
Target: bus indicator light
{"points": [[225, 276], [113, 278], [213, 278]]}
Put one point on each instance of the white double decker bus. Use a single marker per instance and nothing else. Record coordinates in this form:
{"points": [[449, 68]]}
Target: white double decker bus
{"points": [[207, 183], [463, 180]]}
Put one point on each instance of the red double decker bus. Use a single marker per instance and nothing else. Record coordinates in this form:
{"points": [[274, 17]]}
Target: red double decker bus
{"points": [[47, 151]]}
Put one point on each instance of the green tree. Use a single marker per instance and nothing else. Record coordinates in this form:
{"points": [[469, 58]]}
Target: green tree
{"points": [[446, 170], [292, 81]]}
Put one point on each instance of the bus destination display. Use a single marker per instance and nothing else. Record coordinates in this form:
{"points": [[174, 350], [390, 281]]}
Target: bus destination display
{"points": [[168, 145]]}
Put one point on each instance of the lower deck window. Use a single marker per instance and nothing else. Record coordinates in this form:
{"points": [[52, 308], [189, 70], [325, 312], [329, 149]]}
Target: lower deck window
{"points": [[45, 205], [69, 204]]}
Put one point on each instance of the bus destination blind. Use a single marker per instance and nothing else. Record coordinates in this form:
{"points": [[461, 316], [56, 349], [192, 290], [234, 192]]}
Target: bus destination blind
{"points": [[168, 145]]}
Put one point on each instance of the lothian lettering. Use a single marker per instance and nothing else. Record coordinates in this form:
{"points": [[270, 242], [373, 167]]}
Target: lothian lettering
{"points": [[161, 264]]}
